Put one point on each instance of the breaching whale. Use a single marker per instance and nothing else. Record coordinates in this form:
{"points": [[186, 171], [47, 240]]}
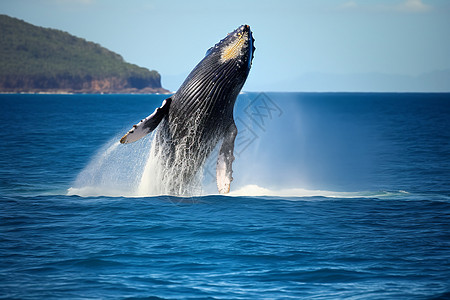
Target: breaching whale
{"points": [[199, 115]]}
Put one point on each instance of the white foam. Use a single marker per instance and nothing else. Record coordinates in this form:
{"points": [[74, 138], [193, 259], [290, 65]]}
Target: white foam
{"points": [[98, 191], [253, 190]]}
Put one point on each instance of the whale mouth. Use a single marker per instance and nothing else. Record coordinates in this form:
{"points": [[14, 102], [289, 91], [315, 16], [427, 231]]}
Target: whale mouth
{"points": [[252, 45], [251, 42]]}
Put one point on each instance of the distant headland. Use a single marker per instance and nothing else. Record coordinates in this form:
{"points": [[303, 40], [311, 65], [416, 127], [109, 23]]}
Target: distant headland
{"points": [[40, 60]]}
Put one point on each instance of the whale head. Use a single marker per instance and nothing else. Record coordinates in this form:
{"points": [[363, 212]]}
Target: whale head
{"points": [[236, 48], [212, 86], [224, 68]]}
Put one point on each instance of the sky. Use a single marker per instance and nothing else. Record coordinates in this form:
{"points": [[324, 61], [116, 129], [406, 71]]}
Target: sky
{"points": [[320, 45]]}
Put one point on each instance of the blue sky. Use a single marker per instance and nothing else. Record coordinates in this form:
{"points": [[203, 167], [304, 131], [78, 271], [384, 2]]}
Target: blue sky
{"points": [[300, 45]]}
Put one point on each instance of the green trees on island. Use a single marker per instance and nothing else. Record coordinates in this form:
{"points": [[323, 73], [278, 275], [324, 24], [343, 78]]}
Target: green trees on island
{"points": [[39, 59]]}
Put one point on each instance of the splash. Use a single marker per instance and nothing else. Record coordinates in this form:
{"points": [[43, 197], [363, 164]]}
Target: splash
{"points": [[145, 168], [114, 171], [165, 174]]}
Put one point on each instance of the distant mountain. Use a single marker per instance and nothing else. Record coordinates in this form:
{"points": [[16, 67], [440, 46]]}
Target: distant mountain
{"points": [[437, 81], [36, 59]]}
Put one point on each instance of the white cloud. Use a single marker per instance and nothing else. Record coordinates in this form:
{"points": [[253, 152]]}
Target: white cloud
{"points": [[76, 2], [407, 6], [413, 6], [349, 4]]}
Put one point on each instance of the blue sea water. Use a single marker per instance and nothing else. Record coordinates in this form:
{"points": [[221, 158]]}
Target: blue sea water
{"points": [[335, 196]]}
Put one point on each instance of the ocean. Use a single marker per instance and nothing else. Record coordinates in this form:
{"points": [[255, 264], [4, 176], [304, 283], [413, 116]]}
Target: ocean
{"points": [[335, 196]]}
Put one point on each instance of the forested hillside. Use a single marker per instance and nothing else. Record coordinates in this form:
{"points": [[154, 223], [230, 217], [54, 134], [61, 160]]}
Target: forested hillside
{"points": [[36, 59]]}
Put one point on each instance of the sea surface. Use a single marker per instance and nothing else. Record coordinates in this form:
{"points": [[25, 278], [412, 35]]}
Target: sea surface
{"points": [[335, 196]]}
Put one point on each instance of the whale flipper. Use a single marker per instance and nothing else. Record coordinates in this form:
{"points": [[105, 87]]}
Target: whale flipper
{"points": [[225, 160], [147, 125]]}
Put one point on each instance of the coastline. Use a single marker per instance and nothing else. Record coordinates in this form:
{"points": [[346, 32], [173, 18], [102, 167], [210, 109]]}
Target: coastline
{"points": [[156, 91]]}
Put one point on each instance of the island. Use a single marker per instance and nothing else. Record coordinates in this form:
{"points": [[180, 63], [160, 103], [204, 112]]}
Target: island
{"points": [[41, 60]]}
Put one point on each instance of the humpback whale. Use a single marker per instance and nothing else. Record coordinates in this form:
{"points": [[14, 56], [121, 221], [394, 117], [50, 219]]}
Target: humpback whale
{"points": [[193, 121]]}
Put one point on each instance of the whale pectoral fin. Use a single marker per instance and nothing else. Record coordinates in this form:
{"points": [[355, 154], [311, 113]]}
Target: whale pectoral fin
{"points": [[225, 161], [147, 125]]}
